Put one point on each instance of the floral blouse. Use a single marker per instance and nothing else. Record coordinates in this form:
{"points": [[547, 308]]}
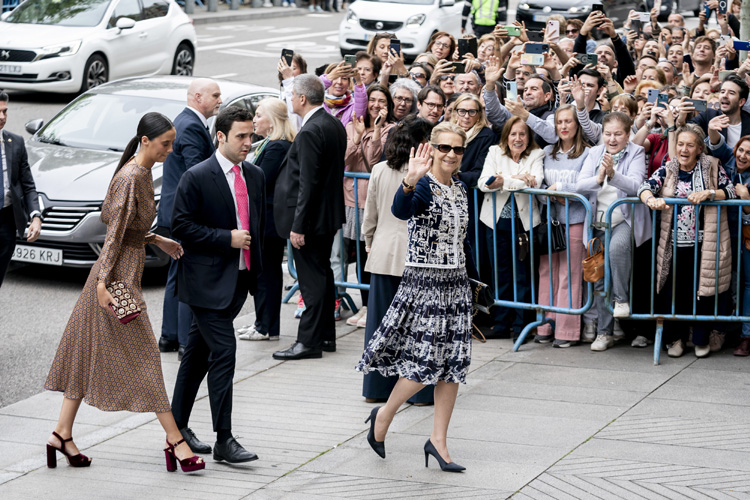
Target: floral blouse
{"points": [[687, 182]]}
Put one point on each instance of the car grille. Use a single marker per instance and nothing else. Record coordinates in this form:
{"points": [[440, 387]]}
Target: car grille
{"points": [[11, 55], [369, 24], [62, 218], [71, 251]]}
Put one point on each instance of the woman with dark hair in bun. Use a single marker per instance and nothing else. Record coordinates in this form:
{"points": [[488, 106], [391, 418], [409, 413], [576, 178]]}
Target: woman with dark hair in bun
{"points": [[111, 365]]}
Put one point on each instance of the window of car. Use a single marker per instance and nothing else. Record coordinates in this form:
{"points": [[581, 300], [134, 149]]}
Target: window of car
{"points": [[60, 12], [126, 8], [87, 122], [155, 8]]}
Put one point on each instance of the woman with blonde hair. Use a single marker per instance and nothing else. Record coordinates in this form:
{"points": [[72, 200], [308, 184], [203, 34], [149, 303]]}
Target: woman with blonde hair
{"points": [[271, 121]]}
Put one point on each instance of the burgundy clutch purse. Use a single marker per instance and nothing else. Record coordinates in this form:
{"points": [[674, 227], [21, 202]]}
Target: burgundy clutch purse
{"points": [[126, 309]]}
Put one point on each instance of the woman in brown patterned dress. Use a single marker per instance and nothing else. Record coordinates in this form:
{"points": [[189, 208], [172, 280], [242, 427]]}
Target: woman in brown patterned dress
{"points": [[110, 365]]}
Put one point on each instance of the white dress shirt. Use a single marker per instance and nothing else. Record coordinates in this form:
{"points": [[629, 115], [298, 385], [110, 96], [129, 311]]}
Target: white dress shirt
{"points": [[309, 115], [202, 118], [226, 167]]}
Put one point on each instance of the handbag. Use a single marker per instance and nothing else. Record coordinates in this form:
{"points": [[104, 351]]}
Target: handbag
{"points": [[125, 308], [593, 265], [481, 297], [522, 237], [554, 233]]}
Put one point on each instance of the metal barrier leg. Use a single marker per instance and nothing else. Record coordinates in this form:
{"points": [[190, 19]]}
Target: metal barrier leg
{"points": [[290, 293], [540, 320], [657, 340]]}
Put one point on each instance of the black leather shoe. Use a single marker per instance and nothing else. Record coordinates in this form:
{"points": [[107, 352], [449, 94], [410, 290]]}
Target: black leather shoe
{"points": [[329, 346], [195, 444], [298, 351], [231, 451], [180, 354], [168, 345]]}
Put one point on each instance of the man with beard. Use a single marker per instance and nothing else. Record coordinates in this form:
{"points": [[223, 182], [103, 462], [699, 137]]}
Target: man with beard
{"points": [[734, 122]]}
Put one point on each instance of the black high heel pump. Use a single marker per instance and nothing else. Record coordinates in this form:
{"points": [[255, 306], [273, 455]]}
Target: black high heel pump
{"points": [[429, 449], [377, 446]]}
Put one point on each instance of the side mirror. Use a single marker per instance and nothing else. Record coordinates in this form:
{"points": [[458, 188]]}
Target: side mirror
{"points": [[124, 23], [33, 126], [447, 3]]}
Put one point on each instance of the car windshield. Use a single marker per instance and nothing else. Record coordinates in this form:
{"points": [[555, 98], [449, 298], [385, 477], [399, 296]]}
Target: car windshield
{"points": [[103, 121], [410, 2], [59, 12]]}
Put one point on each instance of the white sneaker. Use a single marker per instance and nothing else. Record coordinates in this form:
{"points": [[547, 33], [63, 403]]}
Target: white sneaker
{"points": [[352, 321], [285, 4], [253, 335], [716, 340], [589, 333], [362, 323], [639, 341], [622, 310], [676, 350], [311, 8], [602, 343], [246, 329], [701, 351], [617, 332]]}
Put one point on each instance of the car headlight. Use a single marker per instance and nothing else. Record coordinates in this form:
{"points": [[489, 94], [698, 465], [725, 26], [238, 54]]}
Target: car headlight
{"points": [[583, 9], [523, 6], [416, 20], [351, 17], [61, 50]]}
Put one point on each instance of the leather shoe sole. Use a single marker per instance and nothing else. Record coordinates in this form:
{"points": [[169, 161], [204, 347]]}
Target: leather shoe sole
{"points": [[310, 354], [251, 458]]}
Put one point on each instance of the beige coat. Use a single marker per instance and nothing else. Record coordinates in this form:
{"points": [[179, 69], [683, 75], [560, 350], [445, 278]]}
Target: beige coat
{"points": [[386, 235], [498, 164], [707, 279]]}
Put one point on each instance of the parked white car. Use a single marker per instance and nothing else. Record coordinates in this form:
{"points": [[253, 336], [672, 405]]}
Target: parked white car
{"points": [[412, 21], [74, 45]]}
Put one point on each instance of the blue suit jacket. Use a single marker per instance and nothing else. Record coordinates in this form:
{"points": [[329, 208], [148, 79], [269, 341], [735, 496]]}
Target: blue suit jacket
{"points": [[192, 146], [204, 216]]}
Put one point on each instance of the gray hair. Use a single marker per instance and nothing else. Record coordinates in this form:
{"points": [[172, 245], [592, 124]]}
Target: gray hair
{"points": [[476, 77], [311, 87], [406, 83]]}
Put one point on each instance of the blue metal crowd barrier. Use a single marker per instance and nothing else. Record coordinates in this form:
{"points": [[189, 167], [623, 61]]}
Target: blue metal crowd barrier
{"points": [[9, 5], [533, 304], [671, 315]]}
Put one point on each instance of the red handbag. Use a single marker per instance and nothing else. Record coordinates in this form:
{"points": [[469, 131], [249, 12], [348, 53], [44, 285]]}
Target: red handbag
{"points": [[125, 308]]}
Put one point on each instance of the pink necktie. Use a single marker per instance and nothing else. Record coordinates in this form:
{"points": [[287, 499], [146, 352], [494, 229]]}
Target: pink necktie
{"points": [[240, 192]]}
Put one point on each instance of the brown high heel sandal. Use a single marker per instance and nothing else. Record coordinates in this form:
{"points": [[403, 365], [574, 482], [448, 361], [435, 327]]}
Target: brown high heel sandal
{"points": [[190, 464], [79, 460]]}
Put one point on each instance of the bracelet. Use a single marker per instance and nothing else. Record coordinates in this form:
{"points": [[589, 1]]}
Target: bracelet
{"points": [[406, 185]]}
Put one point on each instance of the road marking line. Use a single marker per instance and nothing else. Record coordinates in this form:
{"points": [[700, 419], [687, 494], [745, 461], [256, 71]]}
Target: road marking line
{"points": [[248, 53], [265, 41], [225, 75]]}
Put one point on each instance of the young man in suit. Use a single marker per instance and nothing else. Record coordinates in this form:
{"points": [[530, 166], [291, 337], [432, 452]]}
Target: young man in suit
{"points": [[308, 210], [192, 146], [19, 202], [219, 217]]}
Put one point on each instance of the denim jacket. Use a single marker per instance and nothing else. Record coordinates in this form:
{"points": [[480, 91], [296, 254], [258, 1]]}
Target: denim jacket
{"points": [[437, 217]]}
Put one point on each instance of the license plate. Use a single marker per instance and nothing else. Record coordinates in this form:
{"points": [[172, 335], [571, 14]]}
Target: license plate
{"points": [[10, 68], [37, 255], [540, 19]]}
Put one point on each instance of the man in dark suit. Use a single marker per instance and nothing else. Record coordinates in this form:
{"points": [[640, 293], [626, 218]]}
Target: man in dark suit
{"points": [[731, 121], [309, 209], [219, 213], [192, 146], [19, 202]]}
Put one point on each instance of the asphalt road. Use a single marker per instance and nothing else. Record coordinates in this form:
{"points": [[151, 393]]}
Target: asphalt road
{"points": [[36, 301]]}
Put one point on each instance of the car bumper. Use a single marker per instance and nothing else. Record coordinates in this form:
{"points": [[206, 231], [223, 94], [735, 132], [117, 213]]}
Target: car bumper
{"points": [[61, 74], [353, 37]]}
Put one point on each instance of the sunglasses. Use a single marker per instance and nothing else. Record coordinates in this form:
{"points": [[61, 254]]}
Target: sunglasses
{"points": [[445, 148], [418, 75], [470, 112], [447, 77], [569, 32]]}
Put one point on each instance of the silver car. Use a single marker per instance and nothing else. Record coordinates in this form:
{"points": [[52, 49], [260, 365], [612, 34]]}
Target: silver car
{"points": [[74, 156]]}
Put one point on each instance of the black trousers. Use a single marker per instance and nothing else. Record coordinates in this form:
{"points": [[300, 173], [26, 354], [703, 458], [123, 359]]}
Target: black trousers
{"points": [[7, 239], [313, 263], [270, 287], [211, 349]]}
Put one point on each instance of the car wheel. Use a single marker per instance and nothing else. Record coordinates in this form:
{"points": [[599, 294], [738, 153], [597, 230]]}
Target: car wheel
{"points": [[95, 73], [184, 59]]}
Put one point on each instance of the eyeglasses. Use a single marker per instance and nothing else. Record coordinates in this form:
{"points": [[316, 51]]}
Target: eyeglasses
{"points": [[447, 77], [434, 105], [571, 31], [418, 75], [441, 45], [403, 99], [470, 112], [446, 148]]}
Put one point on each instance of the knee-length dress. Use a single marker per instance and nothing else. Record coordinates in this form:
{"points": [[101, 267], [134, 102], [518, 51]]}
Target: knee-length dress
{"points": [[426, 334], [110, 365]]}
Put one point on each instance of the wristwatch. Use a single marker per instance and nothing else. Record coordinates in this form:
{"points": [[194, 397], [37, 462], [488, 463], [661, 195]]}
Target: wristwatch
{"points": [[406, 185], [712, 195]]}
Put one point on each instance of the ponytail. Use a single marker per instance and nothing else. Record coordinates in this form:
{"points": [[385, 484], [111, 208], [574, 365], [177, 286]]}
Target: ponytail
{"points": [[128, 153], [151, 126]]}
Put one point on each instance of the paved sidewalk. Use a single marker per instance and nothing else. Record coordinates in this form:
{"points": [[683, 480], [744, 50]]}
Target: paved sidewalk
{"points": [[542, 423], [244, 13]]}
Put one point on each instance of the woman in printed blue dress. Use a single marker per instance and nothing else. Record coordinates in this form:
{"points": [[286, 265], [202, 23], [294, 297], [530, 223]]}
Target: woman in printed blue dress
{"points": [[425, 337]]}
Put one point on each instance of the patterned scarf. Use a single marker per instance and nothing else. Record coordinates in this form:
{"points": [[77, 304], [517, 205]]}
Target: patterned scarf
{"points": [[334, 102], [616, 157]]}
